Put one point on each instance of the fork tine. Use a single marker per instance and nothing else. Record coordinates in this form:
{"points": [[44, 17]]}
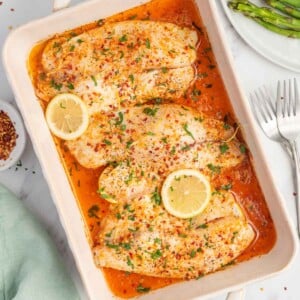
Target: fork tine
{"points": [[268, 102], [279, 107], [297, 98], [285, 99], [290, 100], [254, 108], [257, 111], [260, 104]]}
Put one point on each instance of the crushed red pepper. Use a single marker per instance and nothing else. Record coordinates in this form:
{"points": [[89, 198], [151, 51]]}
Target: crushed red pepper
{"points": [[8, 136]]}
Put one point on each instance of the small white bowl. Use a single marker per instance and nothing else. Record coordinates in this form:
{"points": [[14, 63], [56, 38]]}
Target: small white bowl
{"points": [[21, 139]]}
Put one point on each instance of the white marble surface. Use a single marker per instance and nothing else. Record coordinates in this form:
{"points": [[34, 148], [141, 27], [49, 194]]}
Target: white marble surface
{"points": [[28, 183]]}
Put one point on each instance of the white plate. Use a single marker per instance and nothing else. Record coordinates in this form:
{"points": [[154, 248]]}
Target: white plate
{"points": [[21, 140], [279, 49]]}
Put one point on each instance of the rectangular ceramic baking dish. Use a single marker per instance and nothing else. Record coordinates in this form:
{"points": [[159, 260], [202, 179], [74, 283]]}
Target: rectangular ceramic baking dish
{"points": [[15, 55]]}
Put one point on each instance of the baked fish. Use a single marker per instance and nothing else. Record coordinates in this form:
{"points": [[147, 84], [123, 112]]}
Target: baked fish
{"points": [[120, 64], [141, 237], [153, 133]]}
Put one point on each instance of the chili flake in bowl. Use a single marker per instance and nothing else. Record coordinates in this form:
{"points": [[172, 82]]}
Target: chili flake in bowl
{"points": [[12, 136]]}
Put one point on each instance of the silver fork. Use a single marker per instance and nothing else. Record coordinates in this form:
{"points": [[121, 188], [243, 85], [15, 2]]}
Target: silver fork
{"points": [[288, 121], [265, 112]]}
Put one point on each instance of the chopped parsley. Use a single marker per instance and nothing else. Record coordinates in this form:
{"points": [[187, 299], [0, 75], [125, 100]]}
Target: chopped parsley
{"points": [[142, 289], [226, 187], [234, 234], [223, 148], [164, 140], [182, 235], [226, 126], [147, 43], [56, 85], [129, 144], [128, 208], [131, 218], [100, 22], [173, 150], [126, 246], [202, 226], [112, 246], [243, 148], [93, 211], [108, 234], [164, 69], [70, 86], [56, 45], [186, 148], [150, 111], [129, 178], [214, 169], [120, 120], [199, 119], [156, 254], [107, 142], [150, 133], [193, 253], [131, 77], [132, 17], [42, 76], [156, 198], [94, 80], [61, 105], [202, 75], [103, 195], [196, 92], [186, 129], [129, 262], [157, 241], [123, 38]]}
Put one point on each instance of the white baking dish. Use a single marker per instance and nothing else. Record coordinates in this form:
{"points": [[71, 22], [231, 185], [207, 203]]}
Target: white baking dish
{"points": [[16, 50]]}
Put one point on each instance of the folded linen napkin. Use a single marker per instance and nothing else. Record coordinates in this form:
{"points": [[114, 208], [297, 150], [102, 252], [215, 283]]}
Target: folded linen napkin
{"points": [[30, 268]]}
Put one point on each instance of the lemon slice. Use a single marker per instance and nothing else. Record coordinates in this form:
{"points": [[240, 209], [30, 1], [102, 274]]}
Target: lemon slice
{"points": [[67, 116], [185, 193]]}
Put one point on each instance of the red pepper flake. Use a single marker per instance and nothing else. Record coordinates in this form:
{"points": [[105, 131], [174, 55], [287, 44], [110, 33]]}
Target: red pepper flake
{"points": [[8, 136]]}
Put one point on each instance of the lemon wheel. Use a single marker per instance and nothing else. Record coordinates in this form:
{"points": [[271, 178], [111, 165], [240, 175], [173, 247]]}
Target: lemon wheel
{"points": [[67, 116], [185, 193]]}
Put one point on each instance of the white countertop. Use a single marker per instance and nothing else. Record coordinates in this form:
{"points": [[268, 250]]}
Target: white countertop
{"points": [[27, 182]]}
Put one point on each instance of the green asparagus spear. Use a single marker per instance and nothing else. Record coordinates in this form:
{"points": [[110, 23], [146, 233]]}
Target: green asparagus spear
{"points": [[294, 3], [284, 8], [282, 31], [266, 14]]}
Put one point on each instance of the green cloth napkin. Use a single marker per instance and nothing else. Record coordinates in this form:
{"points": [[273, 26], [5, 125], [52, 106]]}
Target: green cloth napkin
{"points": [[30, 268]]}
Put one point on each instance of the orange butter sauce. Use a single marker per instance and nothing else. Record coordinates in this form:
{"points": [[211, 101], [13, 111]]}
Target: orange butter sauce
{"points": [[206, 95]]}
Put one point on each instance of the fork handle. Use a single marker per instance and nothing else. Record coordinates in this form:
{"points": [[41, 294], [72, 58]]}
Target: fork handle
{"points": [[297, 174]]}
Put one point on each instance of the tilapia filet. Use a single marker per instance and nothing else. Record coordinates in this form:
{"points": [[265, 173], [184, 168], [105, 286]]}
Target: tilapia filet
{"points": [[120, 64]]}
